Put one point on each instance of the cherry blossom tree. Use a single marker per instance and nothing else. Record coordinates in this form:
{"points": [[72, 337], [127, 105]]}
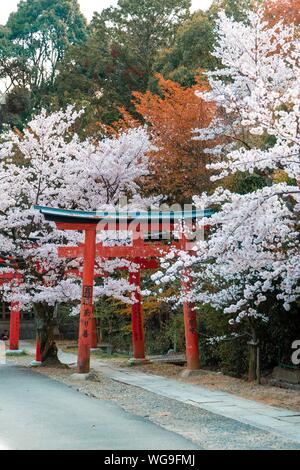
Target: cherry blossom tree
{"points": [[49, 165], [253, 247]]}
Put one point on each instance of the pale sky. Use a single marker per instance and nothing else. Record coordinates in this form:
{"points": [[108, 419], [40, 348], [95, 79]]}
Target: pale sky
{"points": [[87, 6]]}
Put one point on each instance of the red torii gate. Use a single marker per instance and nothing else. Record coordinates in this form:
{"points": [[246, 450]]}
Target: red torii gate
{"points": [[137, 224], [132, 254], [15, 313], [15, 316]]}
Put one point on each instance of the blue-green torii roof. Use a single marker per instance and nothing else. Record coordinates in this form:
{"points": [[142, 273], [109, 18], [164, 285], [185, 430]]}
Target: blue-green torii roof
{"points": [[93, 217]]}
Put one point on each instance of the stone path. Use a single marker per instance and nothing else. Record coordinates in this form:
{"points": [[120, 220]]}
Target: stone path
{"points": [[279, 421]]}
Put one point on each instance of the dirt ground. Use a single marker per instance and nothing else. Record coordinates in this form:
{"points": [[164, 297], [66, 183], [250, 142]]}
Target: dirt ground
{"points": [[268, 394]]}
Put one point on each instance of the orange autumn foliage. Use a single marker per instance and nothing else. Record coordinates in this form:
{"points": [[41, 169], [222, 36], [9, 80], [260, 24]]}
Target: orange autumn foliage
{"points": [[178, 163], [286, 10]]}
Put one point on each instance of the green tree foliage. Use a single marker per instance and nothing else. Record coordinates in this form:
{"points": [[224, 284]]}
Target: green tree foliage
{"points": [[145, 27], [102, 79], [232, 8], [39, 33], [191, 50], [34, 41], [119, 55], [16, 108]]}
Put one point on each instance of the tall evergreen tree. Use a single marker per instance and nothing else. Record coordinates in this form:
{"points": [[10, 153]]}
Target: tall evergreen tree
{"points": [[102, 79], [191, 51], [145, 27], [119, 57]]}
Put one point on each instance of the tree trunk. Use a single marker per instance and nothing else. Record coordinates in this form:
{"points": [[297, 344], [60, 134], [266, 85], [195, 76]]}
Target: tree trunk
{"points": [[46, 323], [254, 359], [258, 381]]}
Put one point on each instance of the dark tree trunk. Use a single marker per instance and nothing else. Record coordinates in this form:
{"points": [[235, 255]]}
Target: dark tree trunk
{"points": [[254, 359], [46, 323]]}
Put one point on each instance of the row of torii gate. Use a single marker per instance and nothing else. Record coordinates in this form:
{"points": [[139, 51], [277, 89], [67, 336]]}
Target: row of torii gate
{"points": [[143, 254]]}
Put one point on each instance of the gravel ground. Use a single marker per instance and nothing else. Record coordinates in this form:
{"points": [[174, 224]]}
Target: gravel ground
{"points": [[205, 429]]}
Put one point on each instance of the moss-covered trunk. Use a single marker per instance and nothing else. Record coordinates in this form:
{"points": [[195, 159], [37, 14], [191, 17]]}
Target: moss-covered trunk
{"points": [[46, 323]]}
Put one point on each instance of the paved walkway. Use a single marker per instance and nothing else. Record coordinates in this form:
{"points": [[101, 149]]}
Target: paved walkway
{"points": [[279, 421], [37, 413]]}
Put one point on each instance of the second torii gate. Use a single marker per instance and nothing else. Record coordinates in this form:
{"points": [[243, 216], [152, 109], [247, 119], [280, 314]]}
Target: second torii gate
{"points": [[137, 224], [138, 340], [15, 314]]}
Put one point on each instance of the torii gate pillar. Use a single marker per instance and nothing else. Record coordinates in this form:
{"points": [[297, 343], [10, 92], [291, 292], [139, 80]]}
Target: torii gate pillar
{"points": [[190, 321], [138, 337], [14, 327], [14, 324], [191, 336], [86, 309]]}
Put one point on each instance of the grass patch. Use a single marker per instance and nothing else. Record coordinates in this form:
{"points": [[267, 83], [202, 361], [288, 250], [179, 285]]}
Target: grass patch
{"points": [[100, 354], [105, 355], [16, 353]]}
